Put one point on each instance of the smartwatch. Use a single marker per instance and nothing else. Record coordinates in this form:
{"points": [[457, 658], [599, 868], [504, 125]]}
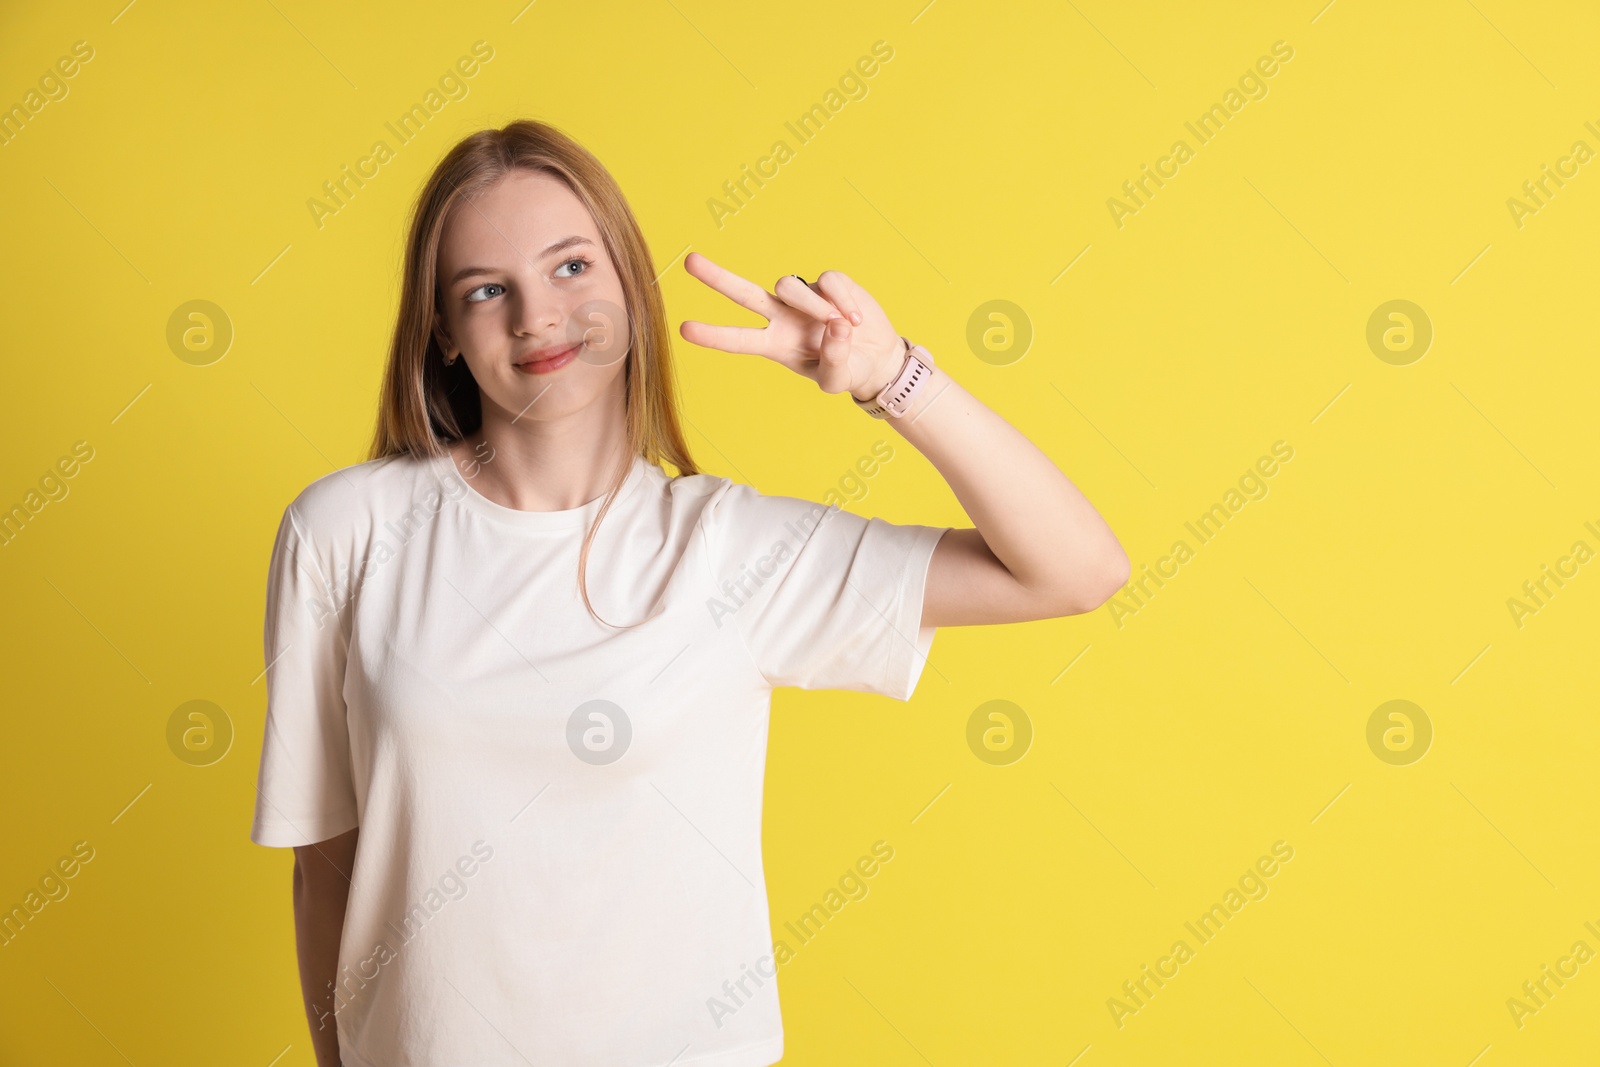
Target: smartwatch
{"points": [[896, 398]]}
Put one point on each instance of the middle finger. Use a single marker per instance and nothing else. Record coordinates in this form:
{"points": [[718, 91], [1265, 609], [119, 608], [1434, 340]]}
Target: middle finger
{"points": [[799, 295]]}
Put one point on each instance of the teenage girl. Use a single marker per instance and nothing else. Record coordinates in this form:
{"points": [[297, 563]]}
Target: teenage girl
{"points": [[519, 675]]}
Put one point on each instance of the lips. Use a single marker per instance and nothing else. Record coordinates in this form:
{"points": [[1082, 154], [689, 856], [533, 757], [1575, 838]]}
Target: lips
{"points": [[545, 355], [554, 363]]}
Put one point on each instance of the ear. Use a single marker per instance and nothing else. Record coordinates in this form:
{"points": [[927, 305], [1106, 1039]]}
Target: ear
{"points": [[441, 335]]}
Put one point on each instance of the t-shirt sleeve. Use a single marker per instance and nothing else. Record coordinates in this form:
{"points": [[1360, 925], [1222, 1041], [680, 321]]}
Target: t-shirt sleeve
{"points": [[822, 598], [305, 791]]}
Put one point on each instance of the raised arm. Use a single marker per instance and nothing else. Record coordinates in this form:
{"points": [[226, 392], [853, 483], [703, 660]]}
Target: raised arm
{"points": [[1040, 550]]}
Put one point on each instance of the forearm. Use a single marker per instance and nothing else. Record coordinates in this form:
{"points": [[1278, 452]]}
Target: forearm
{"points": [[1035, 521], [318, 926]]}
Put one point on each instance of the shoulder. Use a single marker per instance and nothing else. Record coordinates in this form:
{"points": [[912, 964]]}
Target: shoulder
{"points": [[737, 519], [725, 502], [338, 507]]}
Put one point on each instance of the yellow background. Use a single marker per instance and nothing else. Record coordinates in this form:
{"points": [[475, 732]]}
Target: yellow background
{"points": [[1229, 313]]}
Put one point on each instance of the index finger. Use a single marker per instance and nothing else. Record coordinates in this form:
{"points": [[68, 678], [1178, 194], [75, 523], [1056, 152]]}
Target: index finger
{"points": [[742, 291]]}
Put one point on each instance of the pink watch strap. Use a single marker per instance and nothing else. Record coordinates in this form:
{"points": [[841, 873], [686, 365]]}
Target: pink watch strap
{"points": [[897, 397]]}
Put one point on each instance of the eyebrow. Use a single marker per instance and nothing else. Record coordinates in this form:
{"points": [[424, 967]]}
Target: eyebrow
{"points": [[565, 242]]}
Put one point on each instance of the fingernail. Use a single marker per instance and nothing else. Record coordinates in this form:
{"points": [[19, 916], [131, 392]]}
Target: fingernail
{"points": [[855, 317]]}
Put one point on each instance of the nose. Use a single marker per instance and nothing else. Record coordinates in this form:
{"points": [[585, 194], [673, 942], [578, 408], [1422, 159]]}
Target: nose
{"points": [[536, 314]]}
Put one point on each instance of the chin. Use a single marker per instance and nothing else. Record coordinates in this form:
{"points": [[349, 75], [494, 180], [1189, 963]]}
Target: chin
{"points": [[555, 399]]}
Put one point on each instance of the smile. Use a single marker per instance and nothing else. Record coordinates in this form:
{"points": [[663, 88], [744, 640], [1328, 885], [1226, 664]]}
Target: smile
{"points": [[545, 366]]}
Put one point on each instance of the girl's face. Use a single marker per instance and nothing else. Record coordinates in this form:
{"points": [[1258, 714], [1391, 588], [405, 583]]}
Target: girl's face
{"points": [[523, 274]]}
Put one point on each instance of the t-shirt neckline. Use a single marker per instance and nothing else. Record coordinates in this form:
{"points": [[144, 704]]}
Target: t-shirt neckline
{"points": [[458, 488]]}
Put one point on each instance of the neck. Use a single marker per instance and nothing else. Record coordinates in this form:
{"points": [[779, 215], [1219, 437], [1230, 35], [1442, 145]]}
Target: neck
{"points": [[545, 465]]}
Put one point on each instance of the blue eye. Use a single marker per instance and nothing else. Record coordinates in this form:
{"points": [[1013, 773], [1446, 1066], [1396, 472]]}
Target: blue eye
{"points": [[474, 298], [576, 259]]}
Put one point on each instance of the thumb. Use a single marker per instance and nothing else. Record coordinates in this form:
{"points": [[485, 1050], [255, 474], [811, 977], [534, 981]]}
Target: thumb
{"points": [[833, 367]]}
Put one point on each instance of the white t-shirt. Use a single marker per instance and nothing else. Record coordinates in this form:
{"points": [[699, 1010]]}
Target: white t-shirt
{"points": [[560, 851]]}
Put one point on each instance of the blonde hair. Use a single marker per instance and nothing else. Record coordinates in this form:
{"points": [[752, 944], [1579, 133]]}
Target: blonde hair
{"points": [[424, 404]]}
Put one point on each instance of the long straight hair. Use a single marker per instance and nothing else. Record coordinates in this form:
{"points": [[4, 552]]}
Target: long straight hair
{"points": [[424, 404]]}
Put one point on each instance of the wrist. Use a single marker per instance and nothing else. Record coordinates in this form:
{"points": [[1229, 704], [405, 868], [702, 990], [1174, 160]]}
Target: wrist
{"points": [[877, 384], [905, 391]]}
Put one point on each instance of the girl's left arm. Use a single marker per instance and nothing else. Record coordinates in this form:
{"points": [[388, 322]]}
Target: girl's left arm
{"points": [[1039, 551]]}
